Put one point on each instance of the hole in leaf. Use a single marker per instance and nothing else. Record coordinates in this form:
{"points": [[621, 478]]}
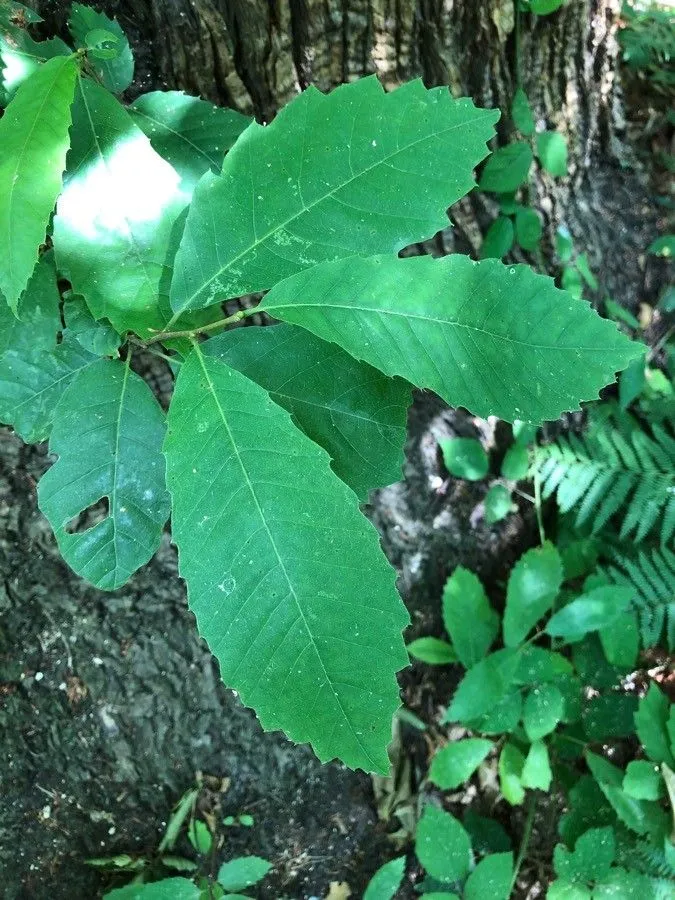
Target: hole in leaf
{"points": [[90, 517]]}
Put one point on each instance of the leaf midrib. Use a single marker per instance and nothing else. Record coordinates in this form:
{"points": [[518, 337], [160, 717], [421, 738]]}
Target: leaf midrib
{"points": [[307, 208], [291, 588], [430, 319]]}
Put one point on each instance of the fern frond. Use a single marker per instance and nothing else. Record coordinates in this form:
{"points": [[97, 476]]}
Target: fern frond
{"points": [[651, 573], [617, 468]]}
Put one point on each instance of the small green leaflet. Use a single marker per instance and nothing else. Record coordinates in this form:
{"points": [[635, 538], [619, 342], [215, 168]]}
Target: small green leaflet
{"points": [[468, 617], [591, 858], [543, 709], [552, 152], [386, 881], [484, 686], [511, 765], [353, 411], [239, 874], [521, 113], [537, 772], [507, 168], [451, 325], [108, 432], [34, 141], [31, 383], [651, 723], [491, 878], [465, 458], [594, 610], [355, 171], [442, 845], [457, 761], [528, 227], [21, 56], [498, 504], [313, 654], [190, 134], [116, 223], [115, 71], [39, 321], [533, 585], [432, 650], [166, 889], [498, 239]]}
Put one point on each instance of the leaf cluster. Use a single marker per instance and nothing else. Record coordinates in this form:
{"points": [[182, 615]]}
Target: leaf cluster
{"points": [[129, 226]]}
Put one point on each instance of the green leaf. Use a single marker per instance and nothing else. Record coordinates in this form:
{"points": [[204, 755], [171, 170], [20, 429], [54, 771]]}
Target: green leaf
{"points": [[498, 239], [468, 617], [239, 874], [609, 715], [442, 845], [483, 686], [543, 709], [386, 881], [432, 650], [31, 383], [21, 57], [521, 113], [353, 411], [38, 321], [507, 168], [641, 816], [537, 665], [615, 311], [591, 859], [313, 653], [491, 878], [456, 762], [34, 140], [537, 772], [108, 432], [516, 462], [528, 228], [621, 640], [595, 610], [465, 458], [189, 133], [200, 836], [533, 586], [96, 337], [511, 764], [632, 382], [498, 504], [115, 228], [564, 245], [167, 889], [623, 884], [503, 718], [651, 724], [565, 890], [643, 780], [571, 282], [451, 325], [584, 269], [545, 7], [663, 246], [115, 71], [552, 152], [357, 171], [487, 835]]}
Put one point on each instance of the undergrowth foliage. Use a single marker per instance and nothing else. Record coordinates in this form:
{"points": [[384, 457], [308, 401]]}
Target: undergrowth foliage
{"points": [[124, 230]]}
